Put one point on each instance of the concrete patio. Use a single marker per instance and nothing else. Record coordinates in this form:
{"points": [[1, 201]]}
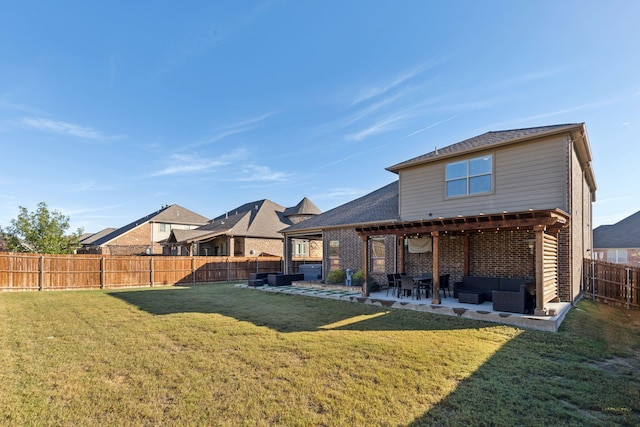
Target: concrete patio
{"points": [[449, 306]]}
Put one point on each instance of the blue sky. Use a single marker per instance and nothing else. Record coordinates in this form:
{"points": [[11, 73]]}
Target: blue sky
{"points": [[109, 110]]}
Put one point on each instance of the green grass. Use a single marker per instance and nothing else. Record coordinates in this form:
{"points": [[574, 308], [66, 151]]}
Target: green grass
{"points": [[221, 355]]}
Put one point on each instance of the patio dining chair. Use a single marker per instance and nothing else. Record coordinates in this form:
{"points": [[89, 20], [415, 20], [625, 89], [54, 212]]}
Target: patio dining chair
{"points": [[408, 285], [444, 284], [392, 283]]}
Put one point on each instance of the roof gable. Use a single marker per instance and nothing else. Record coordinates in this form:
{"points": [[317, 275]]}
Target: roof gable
{"points": [[488, 139], [172, 214]]}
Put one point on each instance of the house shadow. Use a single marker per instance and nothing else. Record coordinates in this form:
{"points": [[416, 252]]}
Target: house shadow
{"points": [[537, 378], [286, 313]]}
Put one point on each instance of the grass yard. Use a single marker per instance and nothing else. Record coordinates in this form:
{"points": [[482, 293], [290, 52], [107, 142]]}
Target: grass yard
{"points": [[221, 355]]}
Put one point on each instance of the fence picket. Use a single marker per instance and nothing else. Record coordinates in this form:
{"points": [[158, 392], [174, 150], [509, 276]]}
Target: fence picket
{"points": [[20, 271], [611, 283]]}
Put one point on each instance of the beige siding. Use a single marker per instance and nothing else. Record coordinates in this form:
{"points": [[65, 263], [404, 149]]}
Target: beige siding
{"points": [[581, 228], [527, 176]]}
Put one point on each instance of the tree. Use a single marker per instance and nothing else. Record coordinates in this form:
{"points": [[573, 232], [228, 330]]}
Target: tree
{"points": [[42, 231]]}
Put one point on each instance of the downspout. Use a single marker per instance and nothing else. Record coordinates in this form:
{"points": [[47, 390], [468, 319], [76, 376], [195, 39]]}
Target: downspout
{"points": [[570, 206]]}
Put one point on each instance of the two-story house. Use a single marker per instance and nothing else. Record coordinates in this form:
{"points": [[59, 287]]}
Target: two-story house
{"points": [[144, 235], [249, 230], [514, 204]]}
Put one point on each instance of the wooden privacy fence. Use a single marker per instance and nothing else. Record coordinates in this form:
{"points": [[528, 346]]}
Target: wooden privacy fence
{"points": [[32, 272], [611, 283]]}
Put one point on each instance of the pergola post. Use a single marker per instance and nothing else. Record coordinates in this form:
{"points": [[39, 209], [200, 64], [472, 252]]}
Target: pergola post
{"points": [[435, 281], [539, 270], [401, 267], [365, 266], [466, 255]]}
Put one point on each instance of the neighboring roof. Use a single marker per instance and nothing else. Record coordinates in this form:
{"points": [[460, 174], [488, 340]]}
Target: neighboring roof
{"points": [[379, 206], [259, 219], [485, 140], [171, 214], [624, 234], [305, 207], [90, 238]]}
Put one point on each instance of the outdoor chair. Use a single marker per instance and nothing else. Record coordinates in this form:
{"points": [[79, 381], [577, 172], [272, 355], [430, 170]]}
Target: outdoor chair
{"points": [[444, 284], [407, 284], [393, 283]]}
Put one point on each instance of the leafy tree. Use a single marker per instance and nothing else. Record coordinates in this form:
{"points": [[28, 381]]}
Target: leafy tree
{"points": [[42, 231]]}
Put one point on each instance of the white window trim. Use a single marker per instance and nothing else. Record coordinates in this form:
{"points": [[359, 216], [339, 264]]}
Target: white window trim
{"points": [[467, 177]]}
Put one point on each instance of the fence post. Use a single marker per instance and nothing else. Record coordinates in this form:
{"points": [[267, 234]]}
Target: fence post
{"points": [[593, 280], [627, 287], [151, 278], [102, 273], [41, 273]]}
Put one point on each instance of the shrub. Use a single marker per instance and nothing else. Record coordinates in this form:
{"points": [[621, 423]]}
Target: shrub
{"points": [[358, 278], [336, 277]]}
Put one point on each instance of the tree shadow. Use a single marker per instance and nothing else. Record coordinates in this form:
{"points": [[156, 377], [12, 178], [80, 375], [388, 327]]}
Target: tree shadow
{"points": [[286, 312]]}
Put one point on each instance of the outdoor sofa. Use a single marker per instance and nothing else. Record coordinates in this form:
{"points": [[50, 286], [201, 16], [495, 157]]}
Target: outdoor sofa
{"points": [[510, 295], [283, 279], [259, 279]]}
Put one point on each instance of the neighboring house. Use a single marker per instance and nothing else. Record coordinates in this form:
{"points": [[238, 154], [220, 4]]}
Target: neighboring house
{"points": [[250, 230], [87, 239], [513, 203], [146, 234], [618, 243]]}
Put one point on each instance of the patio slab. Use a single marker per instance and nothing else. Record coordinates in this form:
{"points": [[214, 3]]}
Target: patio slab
{"points": [[448, 307]]}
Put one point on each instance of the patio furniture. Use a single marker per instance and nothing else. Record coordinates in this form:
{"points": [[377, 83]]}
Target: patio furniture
{"points": [[487, 285], [407, 286], [444, 284], [520, 301], [392, 283], [258, 279], [424, 282], [471, 296], [283, 279]]}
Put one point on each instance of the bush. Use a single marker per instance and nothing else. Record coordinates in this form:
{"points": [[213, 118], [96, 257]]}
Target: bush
{"points": [[358, 278], [336, 277]]}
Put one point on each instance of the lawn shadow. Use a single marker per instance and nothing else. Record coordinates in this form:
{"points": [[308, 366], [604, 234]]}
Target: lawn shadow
{"points": [[284, 312], [540, 378]]}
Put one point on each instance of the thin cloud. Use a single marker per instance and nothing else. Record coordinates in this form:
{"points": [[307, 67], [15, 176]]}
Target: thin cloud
{"points": [[65, 128], [384, 125], [261, 173], [430, 126], [187, 164], [183, 164], [232, 129], [372, 92], [339, 193]]}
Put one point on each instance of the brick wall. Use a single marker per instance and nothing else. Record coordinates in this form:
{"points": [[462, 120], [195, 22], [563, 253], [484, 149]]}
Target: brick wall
{"points": [[269, 246], [491, 254]]}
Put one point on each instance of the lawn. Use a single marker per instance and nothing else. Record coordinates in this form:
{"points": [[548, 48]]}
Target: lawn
{"points": [[222, 355]]}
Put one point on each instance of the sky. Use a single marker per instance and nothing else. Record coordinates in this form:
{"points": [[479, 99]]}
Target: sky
{"points": [[110, 110]]}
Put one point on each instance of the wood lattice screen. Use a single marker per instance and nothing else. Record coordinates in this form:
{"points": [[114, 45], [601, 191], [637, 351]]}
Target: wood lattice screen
{"points": [[550, 266]]}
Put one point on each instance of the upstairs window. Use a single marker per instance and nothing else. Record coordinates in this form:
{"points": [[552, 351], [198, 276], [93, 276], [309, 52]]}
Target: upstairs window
{"points": [[472, 176]]}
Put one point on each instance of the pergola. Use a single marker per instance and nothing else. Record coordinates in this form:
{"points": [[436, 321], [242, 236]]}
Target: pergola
{"points": [[545, 223]]}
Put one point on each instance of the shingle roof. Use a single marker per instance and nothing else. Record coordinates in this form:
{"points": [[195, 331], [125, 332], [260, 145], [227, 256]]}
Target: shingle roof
{"points": [[260, 219], [485, 140], [305, 207], [173, 214], [623, 234], [92, 237], [380, 205]]}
